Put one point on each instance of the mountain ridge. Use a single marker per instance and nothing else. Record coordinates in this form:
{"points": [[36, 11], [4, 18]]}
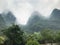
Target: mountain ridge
{"points": [[37, 22], [7, 19]]}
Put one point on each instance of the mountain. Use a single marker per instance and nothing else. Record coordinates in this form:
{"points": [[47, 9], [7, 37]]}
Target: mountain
{"points": [[55, 14], [9, 18], [2, 22], [6, 19], [34, 18], [37, 22]]}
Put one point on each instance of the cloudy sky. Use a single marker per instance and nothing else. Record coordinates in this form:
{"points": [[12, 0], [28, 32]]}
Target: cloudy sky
{"points": [[22, 9]]}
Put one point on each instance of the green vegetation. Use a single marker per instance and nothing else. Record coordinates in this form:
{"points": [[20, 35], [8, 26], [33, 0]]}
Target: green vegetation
{"points": [[15, 36], [32, 42], [2, 39]]}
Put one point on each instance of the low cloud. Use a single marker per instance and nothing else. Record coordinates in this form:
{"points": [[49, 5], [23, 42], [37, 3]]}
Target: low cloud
{"points": [[22, 9]]}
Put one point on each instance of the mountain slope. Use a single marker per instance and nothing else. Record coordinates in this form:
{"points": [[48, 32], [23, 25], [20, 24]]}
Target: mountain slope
{"points": [[37, 22], [9, 18], [2, 22], [6, 19]]}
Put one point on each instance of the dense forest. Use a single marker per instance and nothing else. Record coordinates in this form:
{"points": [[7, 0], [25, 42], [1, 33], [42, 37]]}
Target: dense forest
{"points": [[13, 35]]}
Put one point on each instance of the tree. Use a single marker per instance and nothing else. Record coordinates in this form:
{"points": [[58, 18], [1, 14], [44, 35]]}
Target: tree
{"points": [[32, 42], [47, 36], [2, 39], [57, 36], [14, 35]]}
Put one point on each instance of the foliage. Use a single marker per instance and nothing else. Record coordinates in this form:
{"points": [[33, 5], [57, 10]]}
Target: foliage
{"points": [[15, 35], [57, 36], [2, 39], [32, 42], [47, 35]]}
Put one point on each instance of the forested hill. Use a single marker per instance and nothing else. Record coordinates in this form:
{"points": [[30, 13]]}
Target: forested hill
{"points": [[6, 19], [37, 22]]}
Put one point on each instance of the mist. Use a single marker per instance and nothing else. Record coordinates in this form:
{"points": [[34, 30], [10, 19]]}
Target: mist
{"points": [[22, 9]]}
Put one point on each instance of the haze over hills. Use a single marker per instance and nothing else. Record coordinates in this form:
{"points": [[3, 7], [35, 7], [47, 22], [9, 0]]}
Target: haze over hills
{"points": [[6, 19], [37, 22], [9, 18]]}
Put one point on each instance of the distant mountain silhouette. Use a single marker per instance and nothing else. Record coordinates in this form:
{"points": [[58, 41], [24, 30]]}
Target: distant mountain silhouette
{"points": [[55, 14], [6, 19], [37, 22], [9, 18]]}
